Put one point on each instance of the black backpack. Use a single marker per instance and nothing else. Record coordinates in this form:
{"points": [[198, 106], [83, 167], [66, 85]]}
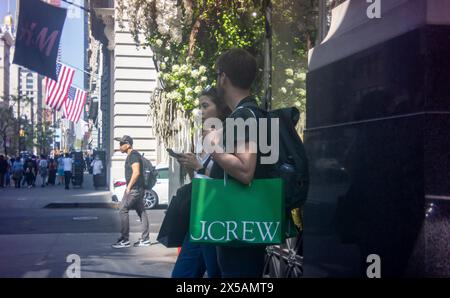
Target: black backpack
{"points": [[149, 172], [292, 151]]}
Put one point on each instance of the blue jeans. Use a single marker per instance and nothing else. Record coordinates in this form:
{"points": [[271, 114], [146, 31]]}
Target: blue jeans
{"points": [[195, 259]]}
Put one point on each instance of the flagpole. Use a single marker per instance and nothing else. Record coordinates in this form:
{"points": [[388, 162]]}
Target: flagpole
{"points": [[68, 64], [76, 5]]}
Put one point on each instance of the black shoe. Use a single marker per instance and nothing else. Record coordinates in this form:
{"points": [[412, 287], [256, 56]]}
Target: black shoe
{"points": [[141, 243], [121, 244]]}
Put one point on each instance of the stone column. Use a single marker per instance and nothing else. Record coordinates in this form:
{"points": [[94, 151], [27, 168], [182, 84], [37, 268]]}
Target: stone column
{"points": [[134, 77]]}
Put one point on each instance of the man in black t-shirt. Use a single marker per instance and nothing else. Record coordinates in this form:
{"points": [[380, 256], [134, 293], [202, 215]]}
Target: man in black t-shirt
{"points": [[133, 198], [236, 71]]}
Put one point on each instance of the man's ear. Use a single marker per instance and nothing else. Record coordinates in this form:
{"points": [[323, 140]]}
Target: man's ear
{"points": [[224, 81]]}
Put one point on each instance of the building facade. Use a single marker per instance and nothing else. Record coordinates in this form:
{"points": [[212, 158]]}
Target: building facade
{"points": [[122, 82]]}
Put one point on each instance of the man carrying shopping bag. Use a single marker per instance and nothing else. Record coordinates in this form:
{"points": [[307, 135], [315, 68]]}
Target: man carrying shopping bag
{"points": [[236, 71]]}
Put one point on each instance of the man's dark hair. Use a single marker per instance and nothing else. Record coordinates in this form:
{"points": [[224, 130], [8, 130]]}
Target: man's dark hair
{"points": [[239, 66]]}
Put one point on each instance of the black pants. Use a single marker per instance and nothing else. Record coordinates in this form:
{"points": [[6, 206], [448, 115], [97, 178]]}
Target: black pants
{"points": [[67, 176], [2, 179], [30, 179], [17, 182], [133, 201], [97, 180], [241, 262], [51, 177]]}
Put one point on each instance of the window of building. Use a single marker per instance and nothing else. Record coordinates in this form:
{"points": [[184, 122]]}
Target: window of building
{"points": [[29, 83]]}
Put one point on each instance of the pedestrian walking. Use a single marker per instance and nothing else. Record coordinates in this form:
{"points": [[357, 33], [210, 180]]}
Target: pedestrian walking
{"points": [[9, 173], [67, 162], [196, 259], [29, 172], [97, 167], [236, 71], [60, 170], [133, 198], [35, 165], [52, 167], [43, 169], [17, 172]]}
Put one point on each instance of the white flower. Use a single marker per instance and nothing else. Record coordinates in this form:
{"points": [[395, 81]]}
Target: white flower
{"points": [[196, 102], [182, 85], [203, 79], [289, 72], [188, 91], [298, 104], [184, 68], [202, 69], [168, 48], [189, 97], [159, 42], [300, 91], [283, 90], [198, 89], [300, 76], [290, 82], [163, 66], [195, 74], [166, 59], [175, 68]]}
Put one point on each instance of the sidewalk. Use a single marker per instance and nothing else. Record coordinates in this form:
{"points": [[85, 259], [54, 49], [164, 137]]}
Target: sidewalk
{"points": [[35, 241], [44, 255]]}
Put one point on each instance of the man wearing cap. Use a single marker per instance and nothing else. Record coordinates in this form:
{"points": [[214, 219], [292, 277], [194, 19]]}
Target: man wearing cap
{"points": [[134, 195]]}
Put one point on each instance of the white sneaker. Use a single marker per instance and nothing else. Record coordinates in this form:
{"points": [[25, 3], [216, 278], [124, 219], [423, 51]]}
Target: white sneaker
{"points": [[121, 244]]}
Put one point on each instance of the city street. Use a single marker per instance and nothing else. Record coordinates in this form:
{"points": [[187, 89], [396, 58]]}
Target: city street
{"points": [[40, 227]]}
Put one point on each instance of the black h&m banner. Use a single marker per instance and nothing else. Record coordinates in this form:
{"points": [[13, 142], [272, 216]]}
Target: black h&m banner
{"points": [[38, 35]]}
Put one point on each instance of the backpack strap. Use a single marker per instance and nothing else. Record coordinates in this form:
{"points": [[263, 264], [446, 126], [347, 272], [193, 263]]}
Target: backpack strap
{"points": [[249, 107]]}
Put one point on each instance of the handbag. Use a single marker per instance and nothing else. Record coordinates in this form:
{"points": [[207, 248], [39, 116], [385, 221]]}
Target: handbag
{"points": [[227, 212], [175, 224]]}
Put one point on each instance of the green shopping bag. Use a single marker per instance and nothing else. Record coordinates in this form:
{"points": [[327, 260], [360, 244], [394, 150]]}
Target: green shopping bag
{"points": [[237, 214]]}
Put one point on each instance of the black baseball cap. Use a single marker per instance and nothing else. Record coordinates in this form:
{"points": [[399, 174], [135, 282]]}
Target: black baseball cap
{"points": [[125, 140]]}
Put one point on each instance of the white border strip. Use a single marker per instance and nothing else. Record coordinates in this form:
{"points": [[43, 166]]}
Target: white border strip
{"points": [[434, 197]]}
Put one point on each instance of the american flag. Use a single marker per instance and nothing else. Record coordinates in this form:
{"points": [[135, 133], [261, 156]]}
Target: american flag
{"points": [[74, 104], [56, 92]]}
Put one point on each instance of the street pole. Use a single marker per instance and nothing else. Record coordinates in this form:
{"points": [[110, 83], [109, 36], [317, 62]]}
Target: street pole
{"points": [[322, 26], [18, 112], [267, 101]]}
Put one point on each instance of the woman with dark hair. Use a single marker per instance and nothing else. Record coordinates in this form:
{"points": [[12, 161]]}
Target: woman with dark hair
{"points": [[29, 172], [52, 167], [194, 259]]}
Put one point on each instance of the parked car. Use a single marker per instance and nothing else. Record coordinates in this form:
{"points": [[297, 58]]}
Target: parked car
{"points": [[159, 195]]}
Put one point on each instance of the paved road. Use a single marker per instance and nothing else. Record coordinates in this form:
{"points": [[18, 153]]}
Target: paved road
{"points": [[35, 240]]}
